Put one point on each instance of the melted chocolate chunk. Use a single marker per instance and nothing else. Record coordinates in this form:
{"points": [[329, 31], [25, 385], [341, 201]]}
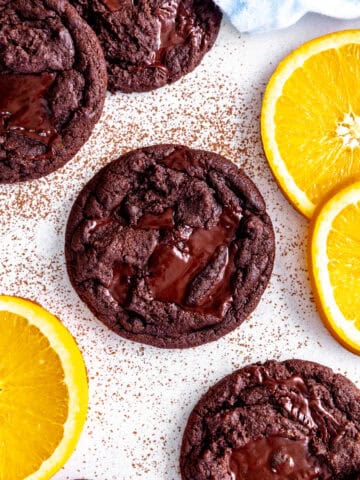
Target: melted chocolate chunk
{"points": [[163, 254], [114, 5], [274, 422], [174, 266], [158, 222], [120, 284], [298, 403], [149, 43], [176, 27], [276, 458], [304, 405], [168, 16], [24, 109]]}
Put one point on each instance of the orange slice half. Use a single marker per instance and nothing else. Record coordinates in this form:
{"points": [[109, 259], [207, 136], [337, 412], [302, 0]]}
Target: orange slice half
{"points": [[43, 391], [335, 265]]}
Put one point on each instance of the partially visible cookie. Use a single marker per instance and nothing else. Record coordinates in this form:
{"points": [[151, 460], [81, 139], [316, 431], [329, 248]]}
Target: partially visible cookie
{"points": [[150, 43], [292, 420], [52, 86], [170, 246]]}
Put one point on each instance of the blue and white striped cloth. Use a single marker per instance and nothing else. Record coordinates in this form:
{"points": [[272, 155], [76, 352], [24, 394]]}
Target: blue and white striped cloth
{"points": [[263, 15]]}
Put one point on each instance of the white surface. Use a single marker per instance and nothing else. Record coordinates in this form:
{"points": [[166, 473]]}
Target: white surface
{"points": [[140, 396]]}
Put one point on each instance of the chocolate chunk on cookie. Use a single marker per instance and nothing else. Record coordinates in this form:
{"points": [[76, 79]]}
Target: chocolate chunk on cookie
{"points": [[52, 86], [170, 246], [274, 421], [149, 43]]}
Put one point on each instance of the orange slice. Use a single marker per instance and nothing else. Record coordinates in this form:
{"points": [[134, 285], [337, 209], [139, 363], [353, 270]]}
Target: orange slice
{"points": [[335, 265], [43, 391], [310, 121]]}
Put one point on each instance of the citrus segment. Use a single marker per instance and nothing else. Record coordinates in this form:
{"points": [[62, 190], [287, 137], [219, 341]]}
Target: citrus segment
{"points": [[335, 265], [310, 119], [43, 391]]}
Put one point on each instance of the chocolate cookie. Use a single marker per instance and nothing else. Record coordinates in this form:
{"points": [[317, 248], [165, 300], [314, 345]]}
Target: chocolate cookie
{"points": [[149, 43], [292, 420], [52, 86], [170, 246]]}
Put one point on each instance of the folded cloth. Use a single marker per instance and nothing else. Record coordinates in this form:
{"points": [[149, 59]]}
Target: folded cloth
{"points": [[263, 15]]}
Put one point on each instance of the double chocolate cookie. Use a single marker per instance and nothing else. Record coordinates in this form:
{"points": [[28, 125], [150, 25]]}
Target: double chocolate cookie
{"points": [[292, 420], [52, 86], [149, 43], [170, 246]]}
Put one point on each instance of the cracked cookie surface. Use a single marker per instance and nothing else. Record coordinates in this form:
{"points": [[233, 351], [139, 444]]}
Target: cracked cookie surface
{"points": [[293, 419], [150, 43], [52, 86], [170, 246]]}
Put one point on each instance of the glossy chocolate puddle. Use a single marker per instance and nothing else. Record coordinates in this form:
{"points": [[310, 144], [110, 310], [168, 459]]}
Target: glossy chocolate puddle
{"points": [[24, 109]]}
